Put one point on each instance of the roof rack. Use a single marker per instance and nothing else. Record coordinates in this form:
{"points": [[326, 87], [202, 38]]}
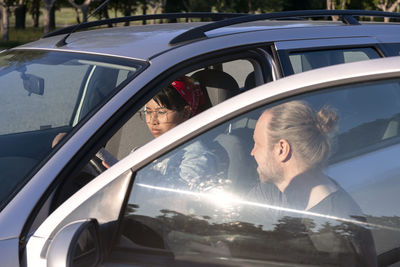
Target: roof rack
{"points": [[210, 15], [347, 16]]}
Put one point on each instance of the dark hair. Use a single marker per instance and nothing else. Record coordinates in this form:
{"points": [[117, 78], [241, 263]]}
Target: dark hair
{"points": [[170, 98]]}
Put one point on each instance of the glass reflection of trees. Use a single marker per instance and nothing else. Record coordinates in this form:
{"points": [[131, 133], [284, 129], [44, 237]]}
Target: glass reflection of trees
{"points": [[293, 239]]}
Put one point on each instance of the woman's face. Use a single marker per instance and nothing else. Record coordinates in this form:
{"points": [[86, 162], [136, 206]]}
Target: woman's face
{"points": [[160, 119]]}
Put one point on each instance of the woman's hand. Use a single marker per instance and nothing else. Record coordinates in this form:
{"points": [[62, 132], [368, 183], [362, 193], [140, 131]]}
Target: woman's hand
{"points": [[57, 139]]}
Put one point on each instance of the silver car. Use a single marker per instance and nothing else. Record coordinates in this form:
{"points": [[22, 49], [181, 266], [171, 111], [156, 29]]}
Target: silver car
{"points": [[90, 87], [125, 218]]}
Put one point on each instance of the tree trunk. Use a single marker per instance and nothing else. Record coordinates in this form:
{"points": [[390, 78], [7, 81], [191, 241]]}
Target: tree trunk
{"points": [[78, 19], [5, 18], [386, 7], [46, 19], [48, 15], [392, 8], [127, 12], [330, 4], [36, 13], [52, 21], [20, 15], [84, 8], [85, 11], [343, 4], [144, 8], [106, 16]]}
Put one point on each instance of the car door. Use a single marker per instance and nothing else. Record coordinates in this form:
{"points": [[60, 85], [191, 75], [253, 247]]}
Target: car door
{"points": [[144, 211]]}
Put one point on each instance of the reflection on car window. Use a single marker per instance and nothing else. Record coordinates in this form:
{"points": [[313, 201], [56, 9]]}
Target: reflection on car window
{"points": [[308, 60], [237, 205], [46, 93]]}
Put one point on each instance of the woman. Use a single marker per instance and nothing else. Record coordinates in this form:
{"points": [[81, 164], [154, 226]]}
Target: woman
{"points": [[192, 166], [174, 104]]}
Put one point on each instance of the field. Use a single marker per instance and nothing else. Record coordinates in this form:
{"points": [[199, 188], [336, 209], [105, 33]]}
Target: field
{"points": [[64, 17]]}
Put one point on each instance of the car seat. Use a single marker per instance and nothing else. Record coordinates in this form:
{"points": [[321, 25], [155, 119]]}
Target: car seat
{"points": [[219, 85], [236, 144], [250, 81]]}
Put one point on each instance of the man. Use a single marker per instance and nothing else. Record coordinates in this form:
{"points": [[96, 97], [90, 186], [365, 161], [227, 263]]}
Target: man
{"points": [[291, 146]]}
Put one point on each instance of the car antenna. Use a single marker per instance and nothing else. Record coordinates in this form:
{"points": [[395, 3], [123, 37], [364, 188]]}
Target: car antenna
{"points": [[63, 42]]}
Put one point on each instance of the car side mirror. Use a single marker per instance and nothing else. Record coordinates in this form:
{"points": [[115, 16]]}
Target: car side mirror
{"points": [[33, 84], [77, 244]]}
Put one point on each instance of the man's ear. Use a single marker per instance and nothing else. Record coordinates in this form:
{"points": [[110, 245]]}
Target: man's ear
{"points": [[284, 150]]}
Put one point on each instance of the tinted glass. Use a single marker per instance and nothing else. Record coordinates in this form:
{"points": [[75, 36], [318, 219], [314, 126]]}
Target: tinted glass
{"points": [[308, 60], [44, 93], [204, 201]]}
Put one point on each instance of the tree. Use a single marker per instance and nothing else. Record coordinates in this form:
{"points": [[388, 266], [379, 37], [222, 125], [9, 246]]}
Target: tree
{"points": [[387, 6], [34, 10], [332, 5], [84, 8], [156, 5], [48, 16], [5, 19], [20, 14]]}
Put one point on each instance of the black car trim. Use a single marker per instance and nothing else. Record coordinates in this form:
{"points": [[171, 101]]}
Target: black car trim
{"points": [[347, 16], [170, 16]]}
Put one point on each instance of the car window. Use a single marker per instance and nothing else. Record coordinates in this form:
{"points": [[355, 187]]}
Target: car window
{"points": [[210, 201], [177, 99], [218, 81], [308, 60], [240, 70], [393, 48], [44, 93]]}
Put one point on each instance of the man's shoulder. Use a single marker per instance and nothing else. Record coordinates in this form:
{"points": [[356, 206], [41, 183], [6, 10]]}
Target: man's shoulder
{"points": [[340, 204]]}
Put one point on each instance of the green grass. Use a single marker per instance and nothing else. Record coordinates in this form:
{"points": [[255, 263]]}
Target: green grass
{"points": [[21, 36], [64, 17]]}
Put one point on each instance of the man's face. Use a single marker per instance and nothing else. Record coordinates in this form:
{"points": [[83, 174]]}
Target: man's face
{"points": [[268, 168]]}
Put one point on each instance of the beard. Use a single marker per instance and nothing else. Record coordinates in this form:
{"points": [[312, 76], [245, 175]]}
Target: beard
{"points": [[270, 172]]}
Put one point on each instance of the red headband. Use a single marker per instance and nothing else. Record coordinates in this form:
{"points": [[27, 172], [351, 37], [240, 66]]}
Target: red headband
{"points": [[191, 93]]}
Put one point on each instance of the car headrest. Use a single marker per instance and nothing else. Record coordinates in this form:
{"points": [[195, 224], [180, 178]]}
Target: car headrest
{"points": [[218, 84]]}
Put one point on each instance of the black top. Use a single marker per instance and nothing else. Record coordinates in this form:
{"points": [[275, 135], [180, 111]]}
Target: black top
{"points": [[334, 228]]}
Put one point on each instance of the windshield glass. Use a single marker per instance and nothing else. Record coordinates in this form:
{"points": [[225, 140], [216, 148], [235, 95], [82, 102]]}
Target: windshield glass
{"points": [[44, 93]]}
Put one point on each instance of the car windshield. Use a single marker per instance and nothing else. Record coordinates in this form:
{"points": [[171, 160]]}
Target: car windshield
{"points": [[44, 93]]}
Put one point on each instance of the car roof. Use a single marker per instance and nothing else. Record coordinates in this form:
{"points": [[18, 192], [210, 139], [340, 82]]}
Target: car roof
{"points": [[146, 41]]}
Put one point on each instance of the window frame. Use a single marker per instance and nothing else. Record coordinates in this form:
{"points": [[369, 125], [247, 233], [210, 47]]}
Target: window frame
{"points": [[284, 48]]}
